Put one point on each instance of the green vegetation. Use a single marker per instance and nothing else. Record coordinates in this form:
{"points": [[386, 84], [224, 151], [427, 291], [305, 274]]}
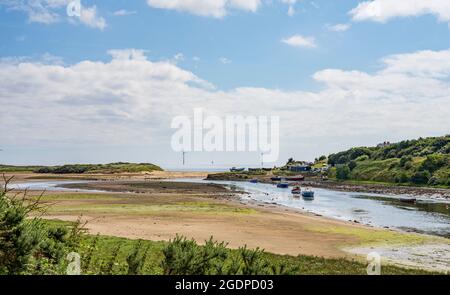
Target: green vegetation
{"points": [[30, 245], [17, 169], [148, 209], [112, 255], [424, 161], [84, 168]]}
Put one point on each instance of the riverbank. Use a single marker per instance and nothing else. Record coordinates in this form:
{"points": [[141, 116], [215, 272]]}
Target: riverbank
{"points": [[152, 209], [441, 194]]}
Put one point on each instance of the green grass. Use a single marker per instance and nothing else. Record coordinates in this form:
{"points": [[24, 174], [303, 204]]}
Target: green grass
{"points": [[148, 209], [373, 237], [18, 169], [306, 265], [74, 197]]}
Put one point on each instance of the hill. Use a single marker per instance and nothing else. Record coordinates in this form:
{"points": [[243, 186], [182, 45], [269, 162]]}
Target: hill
{"points": [[423, 161], [84, 168]]}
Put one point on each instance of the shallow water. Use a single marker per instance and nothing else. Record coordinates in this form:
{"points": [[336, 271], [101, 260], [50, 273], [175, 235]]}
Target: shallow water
{"points": [[429, 217], [50, 186]]}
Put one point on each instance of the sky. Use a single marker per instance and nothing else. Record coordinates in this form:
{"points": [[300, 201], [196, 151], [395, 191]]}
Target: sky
{"points": [[103, 84]]}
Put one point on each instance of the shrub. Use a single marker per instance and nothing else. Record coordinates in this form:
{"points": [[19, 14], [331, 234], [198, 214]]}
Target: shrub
{"points": [[421, 177], [403, 178], [28, 245], [404, 160], [352, 165], [434, 162], [185, 257], [343, 172], [362, 158]]}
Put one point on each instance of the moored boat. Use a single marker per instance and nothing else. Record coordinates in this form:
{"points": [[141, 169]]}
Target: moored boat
{"points": [[275, 178], [254, 180], [308, 194], [408, 200], [283, 185], [296, 190], [296, 178]]}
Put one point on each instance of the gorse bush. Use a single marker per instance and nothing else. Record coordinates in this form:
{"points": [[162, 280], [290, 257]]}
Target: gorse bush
{"points": [[186, 257], [27, 244]]}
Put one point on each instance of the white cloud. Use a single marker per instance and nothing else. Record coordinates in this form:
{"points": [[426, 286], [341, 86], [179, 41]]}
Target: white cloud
{"points": [[384, 10], [132, 99], [124, 12], [178, 57], [339, 27], [291, 9], [90, 18], [212, 8], [53, 11], [224, 60], [300, 41]]}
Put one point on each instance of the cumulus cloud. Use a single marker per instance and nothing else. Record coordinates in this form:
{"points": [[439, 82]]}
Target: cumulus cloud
{"points": [[90, 18], [131, 99], [300, 41], [339, 27], [124, 12], [212, 8], [384, 10], [53, 11]]}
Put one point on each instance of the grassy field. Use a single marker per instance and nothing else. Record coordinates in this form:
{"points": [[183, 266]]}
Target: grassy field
{"points": [[99, 250]]}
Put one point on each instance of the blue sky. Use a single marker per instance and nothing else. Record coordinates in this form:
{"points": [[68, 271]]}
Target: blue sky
{"points": [[231, 46]]}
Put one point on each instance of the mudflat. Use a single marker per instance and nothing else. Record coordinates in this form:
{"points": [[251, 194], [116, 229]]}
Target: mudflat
{"points": [[154, 209]]}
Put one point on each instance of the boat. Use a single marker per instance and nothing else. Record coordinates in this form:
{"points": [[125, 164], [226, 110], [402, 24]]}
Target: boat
{"points": [[296, 190], [234, 169], [408, 200], [275, 178], [283, 185], [308, 194], [253, 180], [296, 178]]}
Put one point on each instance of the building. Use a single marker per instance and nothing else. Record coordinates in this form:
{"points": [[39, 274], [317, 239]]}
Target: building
{"points": [[299, 168]]}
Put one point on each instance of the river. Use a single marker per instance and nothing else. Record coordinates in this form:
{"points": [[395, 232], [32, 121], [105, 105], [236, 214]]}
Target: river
{"points": [[426, 216]]}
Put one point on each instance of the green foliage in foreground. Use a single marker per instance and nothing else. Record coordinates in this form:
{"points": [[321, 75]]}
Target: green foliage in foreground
{"points": [[84, 168], [425, 161], [29, 245], [182, 256]]}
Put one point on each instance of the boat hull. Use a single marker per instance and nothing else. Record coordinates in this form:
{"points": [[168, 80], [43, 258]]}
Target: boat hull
{"points": [[283, 185], [308, 195]]}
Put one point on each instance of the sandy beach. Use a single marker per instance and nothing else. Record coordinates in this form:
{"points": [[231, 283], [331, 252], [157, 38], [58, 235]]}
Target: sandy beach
{"points": [[147, 207]]}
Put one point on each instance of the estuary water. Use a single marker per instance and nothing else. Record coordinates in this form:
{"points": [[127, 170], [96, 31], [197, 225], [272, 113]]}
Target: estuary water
{"points": [[426, 216]]}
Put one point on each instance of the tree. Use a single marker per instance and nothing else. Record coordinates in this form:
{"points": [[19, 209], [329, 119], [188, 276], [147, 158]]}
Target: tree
{"points": [[352, 165], [343, 172], [421, 177]]}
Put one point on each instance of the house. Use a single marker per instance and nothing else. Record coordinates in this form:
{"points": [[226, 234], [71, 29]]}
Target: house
{"points": [[384, 144], [299, 168]]}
